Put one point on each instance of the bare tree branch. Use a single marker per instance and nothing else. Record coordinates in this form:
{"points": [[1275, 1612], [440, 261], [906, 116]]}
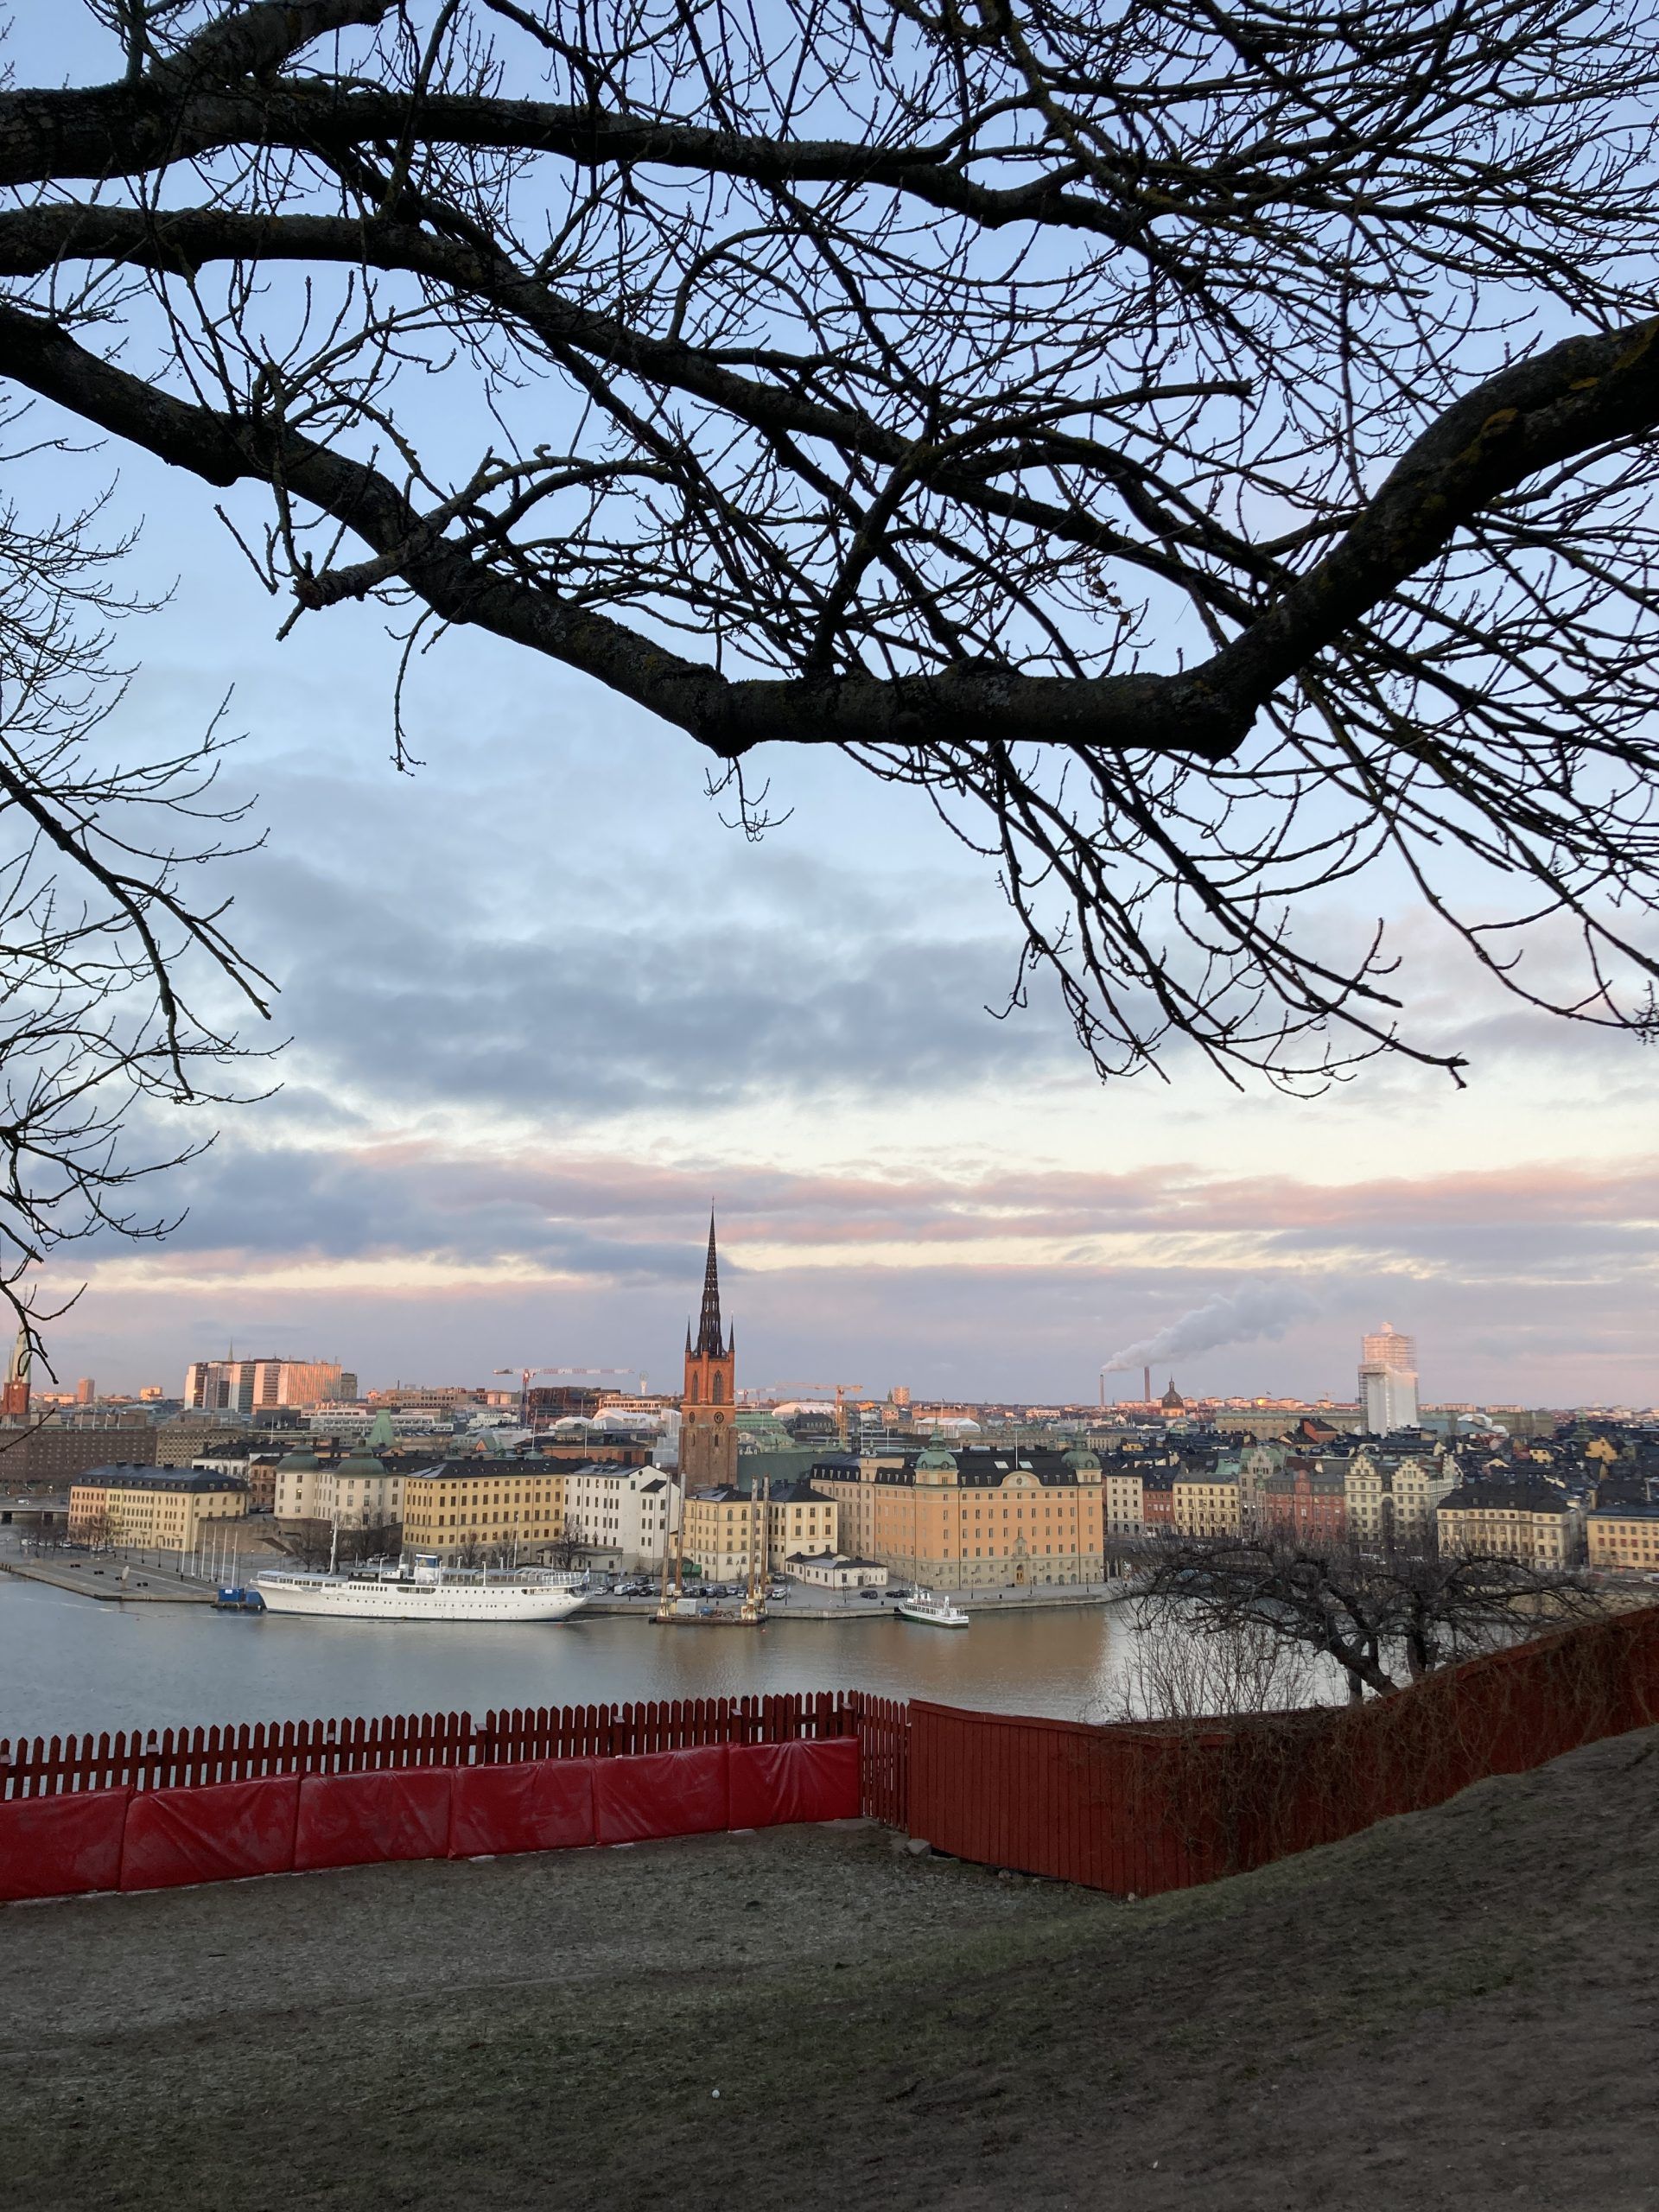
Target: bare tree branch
{"points": [[1151, 436]]}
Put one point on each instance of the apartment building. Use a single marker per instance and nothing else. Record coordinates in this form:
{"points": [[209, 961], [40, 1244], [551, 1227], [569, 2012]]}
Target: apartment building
{"points": [[357, 1491], [1532, 1522], [621, 1513], [1394, 1501], [152, 1508], [1307, 1504], [463, 1506], [1624, 1537], [722, 1526], [1205, 1503], [982, 1516]]}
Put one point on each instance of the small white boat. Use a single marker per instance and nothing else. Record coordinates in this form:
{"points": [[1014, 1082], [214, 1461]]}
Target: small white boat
{"points": [[426, 1592], [936, 1611]]}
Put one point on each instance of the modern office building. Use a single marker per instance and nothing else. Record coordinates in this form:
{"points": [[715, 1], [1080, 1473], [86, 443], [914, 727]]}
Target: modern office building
{"points": [[246, 1386]]}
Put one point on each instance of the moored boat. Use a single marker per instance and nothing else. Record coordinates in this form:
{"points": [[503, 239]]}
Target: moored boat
{"points": [[425, 1590], [933, 1609]]}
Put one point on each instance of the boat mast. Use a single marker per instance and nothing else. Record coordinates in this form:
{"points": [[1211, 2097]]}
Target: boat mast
{"points": [[667, 1543]]}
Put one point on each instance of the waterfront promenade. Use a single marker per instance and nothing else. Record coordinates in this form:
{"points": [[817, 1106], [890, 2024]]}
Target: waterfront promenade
{"points": [[881, 2029], [111, 1582]]}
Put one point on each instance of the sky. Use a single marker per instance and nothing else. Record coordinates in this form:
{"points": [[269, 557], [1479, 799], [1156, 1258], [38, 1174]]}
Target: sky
{"points": [[544, 1007]]}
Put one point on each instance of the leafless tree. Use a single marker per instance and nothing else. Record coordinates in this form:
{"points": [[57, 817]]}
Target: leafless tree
{"points": [[103, 941], [1206, 453], [382, 1540], [1170, 1673], [96, 1533], [310, 1544], [566, 1550], [1377, 1617]]}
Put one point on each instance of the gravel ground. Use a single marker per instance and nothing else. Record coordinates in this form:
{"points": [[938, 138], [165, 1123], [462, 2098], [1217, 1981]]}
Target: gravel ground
{"points": [[1459, 2009]]}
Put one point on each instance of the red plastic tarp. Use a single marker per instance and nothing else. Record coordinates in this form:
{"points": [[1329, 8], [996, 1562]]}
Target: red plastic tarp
{"points": [[540, 1805], [772, 1783], [664, 1793], [61, 1847], [217, 1833], [360, 1819]]}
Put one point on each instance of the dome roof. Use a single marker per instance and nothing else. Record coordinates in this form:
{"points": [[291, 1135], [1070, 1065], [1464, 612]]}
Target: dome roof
{"points": [[359, 1463], [298, 1463], [1082, 1462], [937, 1458]]}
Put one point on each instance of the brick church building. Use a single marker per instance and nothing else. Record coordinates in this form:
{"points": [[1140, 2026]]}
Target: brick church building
{"points": [[709, 1403]]}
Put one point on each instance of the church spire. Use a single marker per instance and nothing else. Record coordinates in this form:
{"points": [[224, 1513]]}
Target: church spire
{"points": [[709, 1344]]}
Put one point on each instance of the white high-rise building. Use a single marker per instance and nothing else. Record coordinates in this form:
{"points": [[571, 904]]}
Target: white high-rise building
{"points": [[1388, 1348], [1388, 1381]]}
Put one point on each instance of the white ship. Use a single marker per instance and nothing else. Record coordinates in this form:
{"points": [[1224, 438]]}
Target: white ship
{"points": [[937, 1612], [426, 1592]]}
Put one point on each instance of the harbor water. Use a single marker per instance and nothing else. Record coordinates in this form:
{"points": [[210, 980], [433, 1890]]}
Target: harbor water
{"points": [[70, 1664]]}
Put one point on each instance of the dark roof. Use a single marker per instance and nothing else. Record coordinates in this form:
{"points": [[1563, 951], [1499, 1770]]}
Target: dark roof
{"points": [[1617, 1511], [122, 1475], [479, 1469], [1497, 1497]]}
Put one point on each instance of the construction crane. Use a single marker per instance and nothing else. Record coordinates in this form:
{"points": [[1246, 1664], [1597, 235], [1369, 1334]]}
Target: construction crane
{"points": [[525, 1373], [841, 1390]]}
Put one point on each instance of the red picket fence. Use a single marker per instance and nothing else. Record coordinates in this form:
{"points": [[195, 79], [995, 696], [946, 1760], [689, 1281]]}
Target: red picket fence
{"points": [[174, 1758], [1164, 1807]]}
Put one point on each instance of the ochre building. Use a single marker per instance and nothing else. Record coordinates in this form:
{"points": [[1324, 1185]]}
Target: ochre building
{"points": [[980, 1517], [152, 1508], [1624, 1537], [722, 1526], [464, 1505]]}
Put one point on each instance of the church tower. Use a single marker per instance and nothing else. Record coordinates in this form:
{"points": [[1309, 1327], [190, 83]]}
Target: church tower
{"points": [[708, 1406], [14, 1401]]}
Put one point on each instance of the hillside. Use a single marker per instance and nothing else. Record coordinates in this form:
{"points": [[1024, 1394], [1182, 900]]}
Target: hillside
{"points": [[1459, 2009]]}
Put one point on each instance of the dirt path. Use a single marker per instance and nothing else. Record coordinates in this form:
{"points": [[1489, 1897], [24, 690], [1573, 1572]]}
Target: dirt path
{"points": [[1460, 2010]]}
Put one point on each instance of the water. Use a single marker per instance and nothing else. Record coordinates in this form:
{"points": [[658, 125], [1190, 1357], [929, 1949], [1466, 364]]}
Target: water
{"points": [[68, 1663]]}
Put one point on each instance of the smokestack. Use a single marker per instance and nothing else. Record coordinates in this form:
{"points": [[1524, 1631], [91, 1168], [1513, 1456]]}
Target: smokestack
{"points": [[1145, 1384]]}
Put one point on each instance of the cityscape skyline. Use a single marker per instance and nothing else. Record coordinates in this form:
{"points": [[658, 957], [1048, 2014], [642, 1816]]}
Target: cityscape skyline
{"points": [[1387, 1383]]}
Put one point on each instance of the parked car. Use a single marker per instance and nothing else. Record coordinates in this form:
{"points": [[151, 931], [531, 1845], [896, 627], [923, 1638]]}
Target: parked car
{"points": [[870, 1593]]}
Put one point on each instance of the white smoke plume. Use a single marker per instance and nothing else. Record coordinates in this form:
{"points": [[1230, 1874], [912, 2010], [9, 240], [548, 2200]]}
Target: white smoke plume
{"points": [[1253, 1311]]}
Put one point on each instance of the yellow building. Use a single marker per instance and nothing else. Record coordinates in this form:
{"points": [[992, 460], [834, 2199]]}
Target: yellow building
{"points": [[1205, 1504], [1393, 1501], [981, 1518], [152, 1508], [465, 1505], [1624, 1537], [1122, 1502], [1526, 1521], [722, 1526]]}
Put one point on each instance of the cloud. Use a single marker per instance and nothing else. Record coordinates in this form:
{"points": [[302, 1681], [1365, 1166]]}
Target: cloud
{"points": [[1253, 1311]]}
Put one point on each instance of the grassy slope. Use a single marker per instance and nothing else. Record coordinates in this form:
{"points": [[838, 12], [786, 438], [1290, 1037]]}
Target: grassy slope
{"points": [[1456, 2009]]}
